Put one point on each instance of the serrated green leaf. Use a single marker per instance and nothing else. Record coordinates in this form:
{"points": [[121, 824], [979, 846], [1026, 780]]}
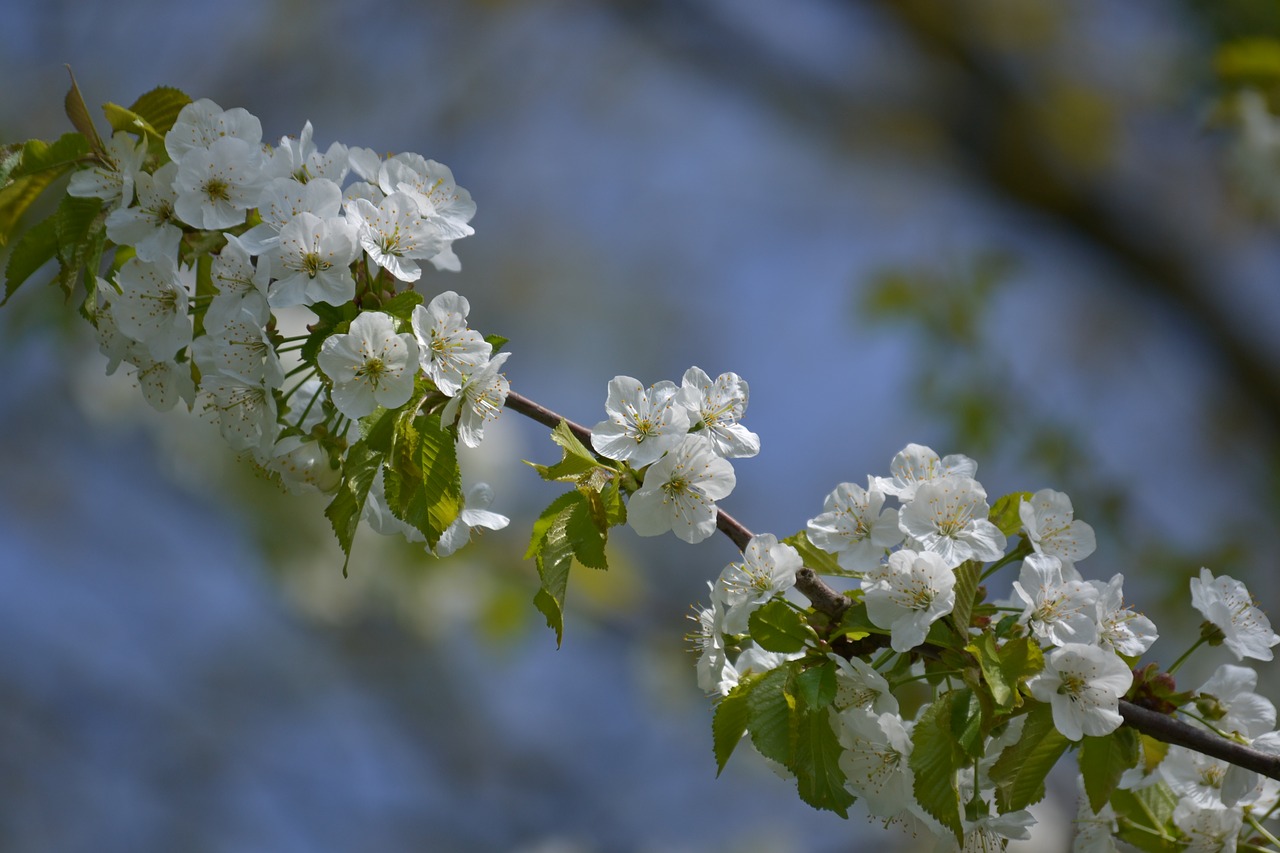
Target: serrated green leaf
{"points": [[554, 557], [75, 222], [770, 712], [587, 536], [966, 589], [497, 342], [615, 509], [160, 107], [813, 556], [776, 627], [966, 722], [934, 762], [1020, 771], [819, 779], [1020, 659], [856, 624], [548, 517], [40, 166], [10, 159], [730, 721], [1103, 760], [1004, 513], [816, 685], [985, 650], [78, 112], [36, 248], [364, 457], [91, 262], [423, 484], [402, 304]]}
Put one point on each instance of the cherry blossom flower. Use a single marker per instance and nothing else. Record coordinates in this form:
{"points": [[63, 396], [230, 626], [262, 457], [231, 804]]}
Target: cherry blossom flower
{"points": [[1083, 685], [303, 465], [916, 590], [716, 676], [858, 685], [680, 491], [916, 464], [394, 234], [441, 201], [475, 513], [201, 123], [240, 347], [1057, 611], [854, 527], [300, 159], [370, 366], [312, 262], [151, 307], [768, 567], [241, 286], [113, 180], [1226, 603], [715, 408], [218, 185], [876, 760], [283, 200], [949, 517], [1119, 627], [1052, 529], [163, 382], [643, 423], [1207, 829], [149, 226], [245, 410], [479, 401], [447, 350]]}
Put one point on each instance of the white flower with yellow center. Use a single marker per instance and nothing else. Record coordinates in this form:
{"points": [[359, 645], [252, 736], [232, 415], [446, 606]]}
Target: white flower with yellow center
{"points": [[1083, 685], [915, 590], [217, 185], [1052, 528], [479, 401], [152, 306], [394, 234], [1056, 611], [916, 464], [447, 349], [768, 567], [680, 491], [475, 513], [643, 423], [854, 527], [715, 408], [149, 225], [949, 517], [876, 760], [312, 262], [1226, 603], [370, 366], [112, 180]]}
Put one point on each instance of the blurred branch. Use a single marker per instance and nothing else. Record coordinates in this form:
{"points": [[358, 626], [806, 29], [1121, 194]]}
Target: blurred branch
{"points": [[988, 118]]}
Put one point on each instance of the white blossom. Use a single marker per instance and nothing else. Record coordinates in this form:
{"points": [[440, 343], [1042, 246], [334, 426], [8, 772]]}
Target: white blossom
{"points": [[201, 123], [949, 517], [447, 350], [1083, 685], [475, 513], [1226, 603], [151, 307], [218, 185], [1120, 628], [479, 401], [876, 760], [680, 491], [312, 262], [1207, 829], [370, 366], [854, 527], [916, 464], [1057, 611], [394, 234], [149, 227], [112, 180], [715, 408], [643, 423], [916, 590], [768, 568]]}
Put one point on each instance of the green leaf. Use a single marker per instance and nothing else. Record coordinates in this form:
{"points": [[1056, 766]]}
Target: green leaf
{"points": [[967, 574], [856, 624], [615, 510], [816, 686], [78, 112], [814, 557], [934, 762], [402, 304], [548, 517], [730, 721], [966, 722], [819, 779], [1020, 771], [1103, 760], [577, 459], [587, 535], [776, 627], [40, 166], [152, 114], [76, 222], [36, 248], [423, 484], [1146, 813], [554, 557], [770, 710], [361, 466], [992, 673], [497, 342], [1004, 514]]}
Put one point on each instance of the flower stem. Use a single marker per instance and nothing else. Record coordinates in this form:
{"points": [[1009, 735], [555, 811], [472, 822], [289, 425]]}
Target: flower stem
{"points": [[1185, 655]]}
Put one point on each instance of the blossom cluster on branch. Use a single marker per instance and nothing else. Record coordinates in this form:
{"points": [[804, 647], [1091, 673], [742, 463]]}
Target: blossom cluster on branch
{"points": [[192, 247]]}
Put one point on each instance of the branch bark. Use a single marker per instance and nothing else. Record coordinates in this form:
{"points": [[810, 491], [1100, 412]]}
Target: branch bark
{"points": [[833, 603]]}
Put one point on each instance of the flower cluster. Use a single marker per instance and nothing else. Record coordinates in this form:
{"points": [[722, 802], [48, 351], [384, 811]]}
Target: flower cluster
{"points": [[1053, 661], [224, 242], [682, 437]]}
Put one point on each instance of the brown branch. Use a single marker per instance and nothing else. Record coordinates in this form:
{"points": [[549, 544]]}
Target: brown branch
{"points": [[833, 603]]}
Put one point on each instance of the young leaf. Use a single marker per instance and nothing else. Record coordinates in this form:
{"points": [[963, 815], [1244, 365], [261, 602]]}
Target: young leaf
{"points": [[816, 686], [424, 487], [40, 166], [577, 459], [819, 779], [548, 517], [553, 558], [587, 536], [967, 574], [1103, 760], [934, 762], [402, 304], [771, 710], [776, 627], [160, 107], [363, 460], [966, 722], [1146, 812], [730, 721], [992, 674], [76, 221], [814, 557], [1004, 513], [36, 248], [1020, 770], [78, 112]]}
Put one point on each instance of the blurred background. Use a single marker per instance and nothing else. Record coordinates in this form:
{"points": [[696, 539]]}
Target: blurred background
{"points": [[1038, 233]]}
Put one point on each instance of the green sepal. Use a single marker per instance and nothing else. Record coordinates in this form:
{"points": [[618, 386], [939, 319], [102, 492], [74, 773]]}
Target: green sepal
{"points": [[423, 483], [935, 761], [1020, 771], [777, 627], [1103, 760], [364, 458], [730, 721], [1004, 513]]}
